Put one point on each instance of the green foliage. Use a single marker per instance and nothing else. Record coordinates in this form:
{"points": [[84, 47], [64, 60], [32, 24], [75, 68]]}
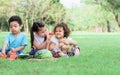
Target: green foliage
{"points": [[84, 18], [111, 5], [4, 10], [50, 11], [110, 12], [88, 16], [3, 23]]}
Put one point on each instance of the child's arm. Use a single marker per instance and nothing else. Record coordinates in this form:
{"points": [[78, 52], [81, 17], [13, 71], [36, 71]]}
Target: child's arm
{"points": [[18, 49], [4, 47], [72, 42], [47, 43], [39, 46]]}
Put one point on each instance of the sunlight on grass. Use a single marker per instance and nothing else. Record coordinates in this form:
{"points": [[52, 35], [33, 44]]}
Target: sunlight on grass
{"points": [[99, 56]]}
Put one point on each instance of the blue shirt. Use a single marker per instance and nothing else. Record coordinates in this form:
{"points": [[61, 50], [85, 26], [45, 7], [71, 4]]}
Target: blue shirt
{"points": [[16, 41]]}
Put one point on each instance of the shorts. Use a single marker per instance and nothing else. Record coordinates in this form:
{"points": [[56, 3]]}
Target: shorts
{"points": [[33, 51], [55, 52], [6, 51]]}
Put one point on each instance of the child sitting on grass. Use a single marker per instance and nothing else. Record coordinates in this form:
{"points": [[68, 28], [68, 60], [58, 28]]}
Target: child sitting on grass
{"points": [[61, 44], [39, 37], [15, 41]]}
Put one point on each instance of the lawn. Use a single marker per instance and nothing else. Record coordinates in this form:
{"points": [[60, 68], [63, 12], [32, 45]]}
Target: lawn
{"points": [[100, 55]]}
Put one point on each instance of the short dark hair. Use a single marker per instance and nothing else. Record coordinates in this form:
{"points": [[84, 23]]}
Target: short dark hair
{"points": [[15, 18], [65, 28]]}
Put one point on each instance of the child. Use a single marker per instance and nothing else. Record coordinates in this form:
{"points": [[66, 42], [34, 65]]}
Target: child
{"points": [[39, 37], [15, 41], [60, 44]]}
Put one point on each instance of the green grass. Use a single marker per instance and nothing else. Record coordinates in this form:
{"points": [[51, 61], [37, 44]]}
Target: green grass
{"points": [[100, 55]]}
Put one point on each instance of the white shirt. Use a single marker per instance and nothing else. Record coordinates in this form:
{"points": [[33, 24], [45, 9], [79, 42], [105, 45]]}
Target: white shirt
{"points": [[56, 41], [39, 39]]}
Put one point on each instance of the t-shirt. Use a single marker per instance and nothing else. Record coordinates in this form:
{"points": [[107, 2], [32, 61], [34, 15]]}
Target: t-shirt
{"points": [[16, 41], [39, 39], [56, 41]]}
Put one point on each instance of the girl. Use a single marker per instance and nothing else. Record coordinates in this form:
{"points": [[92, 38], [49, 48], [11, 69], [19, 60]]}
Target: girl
{"points": [[39, 37], [60, 44]]}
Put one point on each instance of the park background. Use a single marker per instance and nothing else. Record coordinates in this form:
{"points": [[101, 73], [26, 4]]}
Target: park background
{"points": [[94, 24]]}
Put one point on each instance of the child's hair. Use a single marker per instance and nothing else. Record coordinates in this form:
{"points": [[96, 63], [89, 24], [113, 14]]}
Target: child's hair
{"points": [[15, 18], [35, 28], [65, 28]]}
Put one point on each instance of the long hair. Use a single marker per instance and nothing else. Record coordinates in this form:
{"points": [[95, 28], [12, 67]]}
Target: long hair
{"points": [[35, 28]]}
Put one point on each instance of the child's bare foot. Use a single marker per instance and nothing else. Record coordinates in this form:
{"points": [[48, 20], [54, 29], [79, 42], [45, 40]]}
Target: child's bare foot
{"points": [[77, 52]]}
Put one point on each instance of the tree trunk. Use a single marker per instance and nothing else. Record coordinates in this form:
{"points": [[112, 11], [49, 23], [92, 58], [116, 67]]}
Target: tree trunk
{"points": [[108, 26], [26, 23], [116, 19]]}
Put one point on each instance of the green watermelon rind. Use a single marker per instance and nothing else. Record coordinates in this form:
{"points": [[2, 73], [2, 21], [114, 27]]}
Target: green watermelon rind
{"points": [[42, 54]]}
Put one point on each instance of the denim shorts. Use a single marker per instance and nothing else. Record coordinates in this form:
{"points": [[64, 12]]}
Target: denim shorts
{"points": [[6, 51]]}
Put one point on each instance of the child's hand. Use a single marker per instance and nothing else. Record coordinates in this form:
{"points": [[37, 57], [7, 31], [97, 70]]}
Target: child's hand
{"points": [[48, 41], [13, 50], [3, 51]]}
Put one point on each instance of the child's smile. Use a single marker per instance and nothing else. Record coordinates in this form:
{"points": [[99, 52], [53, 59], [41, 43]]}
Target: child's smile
{"points": [[59, 32]]}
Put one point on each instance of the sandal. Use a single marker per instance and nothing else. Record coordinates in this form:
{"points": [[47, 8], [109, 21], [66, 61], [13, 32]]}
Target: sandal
{"points": [[3, 55], [13, 56]]}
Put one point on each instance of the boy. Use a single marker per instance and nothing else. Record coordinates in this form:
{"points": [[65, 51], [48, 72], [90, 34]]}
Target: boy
{"points": [[15, 41]]}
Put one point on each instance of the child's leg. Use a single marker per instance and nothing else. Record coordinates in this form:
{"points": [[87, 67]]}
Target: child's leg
{"points": [[65, 49], [75, 51], [0, 52], [58, 53], [4, 55], [33, 51], [12, 55], [61, 54]]}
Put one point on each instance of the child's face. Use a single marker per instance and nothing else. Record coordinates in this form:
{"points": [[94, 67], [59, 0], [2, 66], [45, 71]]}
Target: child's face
{"points": [[15, 27], [42, 32], [59, 32]]}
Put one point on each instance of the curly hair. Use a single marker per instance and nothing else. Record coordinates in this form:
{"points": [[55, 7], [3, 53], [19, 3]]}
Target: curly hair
{"points": [[65, 28]]}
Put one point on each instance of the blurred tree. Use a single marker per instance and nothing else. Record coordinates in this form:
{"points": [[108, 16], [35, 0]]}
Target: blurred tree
{"points": [[112, 6], [49, 11], [4, 9]]}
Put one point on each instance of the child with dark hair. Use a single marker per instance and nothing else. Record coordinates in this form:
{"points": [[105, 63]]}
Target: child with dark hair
{"points": [[15, 41], [60, 44], [39, 37]]}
